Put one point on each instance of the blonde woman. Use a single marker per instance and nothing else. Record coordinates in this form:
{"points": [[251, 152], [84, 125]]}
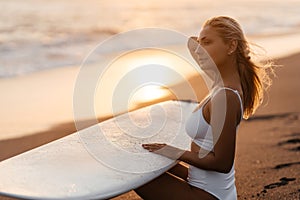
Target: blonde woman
{"points": [[210, 174]]}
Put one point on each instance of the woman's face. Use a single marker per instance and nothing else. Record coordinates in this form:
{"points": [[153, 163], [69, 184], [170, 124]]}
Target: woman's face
{"points": [[214, 45]]}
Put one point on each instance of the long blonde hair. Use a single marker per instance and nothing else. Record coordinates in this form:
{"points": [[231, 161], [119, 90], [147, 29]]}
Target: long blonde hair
{"points": [[254, 76]]}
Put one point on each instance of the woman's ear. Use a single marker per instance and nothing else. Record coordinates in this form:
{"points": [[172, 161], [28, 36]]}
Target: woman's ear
{"points": [[232, 46]]}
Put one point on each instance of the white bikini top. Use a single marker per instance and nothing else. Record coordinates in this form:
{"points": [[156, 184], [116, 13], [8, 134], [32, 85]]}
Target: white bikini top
{"points": [[198, 128]]}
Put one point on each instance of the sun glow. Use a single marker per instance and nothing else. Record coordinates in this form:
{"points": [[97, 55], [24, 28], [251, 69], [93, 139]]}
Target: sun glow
{"points": [[139, 78], [149, 93]]}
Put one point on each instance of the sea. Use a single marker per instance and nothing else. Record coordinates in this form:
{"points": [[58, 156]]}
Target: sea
{"points": [[41, 34]]}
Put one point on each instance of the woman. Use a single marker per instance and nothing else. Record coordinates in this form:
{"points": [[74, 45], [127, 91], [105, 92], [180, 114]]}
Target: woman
{"points": [[210, 174]]}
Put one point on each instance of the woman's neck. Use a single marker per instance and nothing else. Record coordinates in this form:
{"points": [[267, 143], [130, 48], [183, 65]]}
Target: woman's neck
{"points": [[228, 77]]}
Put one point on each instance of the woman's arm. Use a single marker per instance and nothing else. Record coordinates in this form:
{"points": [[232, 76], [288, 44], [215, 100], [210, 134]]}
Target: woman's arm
{"points": [[221, 159]]}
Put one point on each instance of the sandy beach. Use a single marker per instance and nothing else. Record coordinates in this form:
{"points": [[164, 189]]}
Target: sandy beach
{"points": [[267, 157]]}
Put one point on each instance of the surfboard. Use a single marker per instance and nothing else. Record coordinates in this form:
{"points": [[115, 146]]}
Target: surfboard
{"points": [[101, 161]]}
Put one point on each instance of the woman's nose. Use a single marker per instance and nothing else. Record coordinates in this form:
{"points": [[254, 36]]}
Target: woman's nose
{"points": [[199, 50]]}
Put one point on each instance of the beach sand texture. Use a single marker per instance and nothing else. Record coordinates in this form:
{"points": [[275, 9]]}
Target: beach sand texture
{"points": [[268, 144]]}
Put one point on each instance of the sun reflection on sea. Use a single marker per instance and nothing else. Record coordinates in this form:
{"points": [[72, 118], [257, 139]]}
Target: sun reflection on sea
{"points": [[149, 93], [115, 92]]}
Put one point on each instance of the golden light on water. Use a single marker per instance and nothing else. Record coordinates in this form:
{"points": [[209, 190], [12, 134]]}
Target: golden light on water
{"points": [[122, 87], [149, 93]]}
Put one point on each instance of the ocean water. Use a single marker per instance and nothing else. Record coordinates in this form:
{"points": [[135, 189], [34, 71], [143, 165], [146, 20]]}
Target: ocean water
{"points": [[40, 34]]}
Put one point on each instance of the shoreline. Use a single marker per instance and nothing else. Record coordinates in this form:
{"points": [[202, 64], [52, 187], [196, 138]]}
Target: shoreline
{"points": [[268, 45]]}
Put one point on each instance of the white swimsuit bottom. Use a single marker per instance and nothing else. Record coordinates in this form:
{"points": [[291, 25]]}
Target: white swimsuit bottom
{"points": [[218, 184]]}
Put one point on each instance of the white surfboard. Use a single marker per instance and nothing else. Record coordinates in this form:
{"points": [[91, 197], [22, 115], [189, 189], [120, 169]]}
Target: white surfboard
{"points": [[102, 161]]}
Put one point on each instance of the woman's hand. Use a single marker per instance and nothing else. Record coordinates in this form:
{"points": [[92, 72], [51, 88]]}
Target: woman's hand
{"points": [[164, 150]]}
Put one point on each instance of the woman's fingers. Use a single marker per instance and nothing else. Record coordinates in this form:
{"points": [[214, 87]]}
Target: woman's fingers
{"points": [[153, 146], [164, 150]]}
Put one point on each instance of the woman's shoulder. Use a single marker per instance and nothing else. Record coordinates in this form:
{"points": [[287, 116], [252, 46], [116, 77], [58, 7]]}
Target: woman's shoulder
{"points": [[229, 92], [230, 98]]}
